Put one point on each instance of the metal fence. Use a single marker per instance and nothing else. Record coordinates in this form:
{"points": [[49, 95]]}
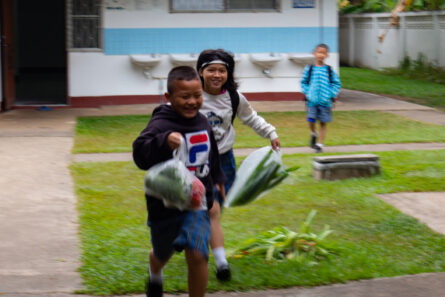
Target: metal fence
{"points": [[368, 40]]}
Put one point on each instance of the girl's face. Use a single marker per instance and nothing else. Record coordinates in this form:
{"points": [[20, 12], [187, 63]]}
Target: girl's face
{"points": [[214, 76]]}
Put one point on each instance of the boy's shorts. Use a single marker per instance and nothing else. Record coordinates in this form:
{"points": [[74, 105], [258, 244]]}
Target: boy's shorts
{"points": [[320, 113], [228, 166], [190, 230]]}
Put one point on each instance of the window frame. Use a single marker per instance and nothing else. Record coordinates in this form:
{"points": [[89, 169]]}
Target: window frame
{"points": [[226, 10], [69, 27]]}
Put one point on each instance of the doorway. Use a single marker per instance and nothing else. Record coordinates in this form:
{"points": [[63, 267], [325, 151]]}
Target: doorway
{"points": [[39, 57]]}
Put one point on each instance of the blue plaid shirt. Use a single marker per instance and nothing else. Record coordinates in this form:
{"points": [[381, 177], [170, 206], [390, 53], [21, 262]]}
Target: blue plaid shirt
{"points": [[319, 91]]}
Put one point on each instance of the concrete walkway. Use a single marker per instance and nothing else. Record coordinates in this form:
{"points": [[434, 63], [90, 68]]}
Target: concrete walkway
{"points": [[108, 157], [39, 246]]}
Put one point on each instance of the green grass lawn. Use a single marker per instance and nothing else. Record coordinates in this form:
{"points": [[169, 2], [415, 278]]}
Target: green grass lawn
{"points": [[371, 238], [116, 133], [417, 91]]}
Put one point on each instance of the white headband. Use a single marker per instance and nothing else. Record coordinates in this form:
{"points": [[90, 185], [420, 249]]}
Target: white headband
{"points": [[214, 62]]}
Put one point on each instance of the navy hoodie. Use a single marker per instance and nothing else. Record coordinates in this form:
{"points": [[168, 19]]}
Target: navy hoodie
{"points": [[151, 148]]}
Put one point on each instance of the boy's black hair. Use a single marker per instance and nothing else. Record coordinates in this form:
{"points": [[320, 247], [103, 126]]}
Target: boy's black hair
{"points": [[210, 55], [322, 45], [180, 73]]}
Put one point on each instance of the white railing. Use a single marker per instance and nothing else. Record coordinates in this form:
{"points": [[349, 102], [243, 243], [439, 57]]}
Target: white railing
{"points": [[368, 40]]}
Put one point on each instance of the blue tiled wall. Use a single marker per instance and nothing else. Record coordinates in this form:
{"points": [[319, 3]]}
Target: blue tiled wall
{"points": [[237, 40]]}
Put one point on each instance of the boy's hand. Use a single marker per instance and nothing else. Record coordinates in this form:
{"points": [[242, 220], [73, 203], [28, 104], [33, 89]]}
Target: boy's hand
{"points": [[275, 144], [174, 140], [221, 189]]}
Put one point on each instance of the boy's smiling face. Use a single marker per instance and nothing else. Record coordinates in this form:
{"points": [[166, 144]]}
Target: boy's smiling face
{"points": [[320, 54], [186, 98]]}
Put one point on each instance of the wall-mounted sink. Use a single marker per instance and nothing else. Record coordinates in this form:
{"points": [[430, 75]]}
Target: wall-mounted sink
{"points": [[146, 61], [265, 61], [301, 59], [184, 59]]}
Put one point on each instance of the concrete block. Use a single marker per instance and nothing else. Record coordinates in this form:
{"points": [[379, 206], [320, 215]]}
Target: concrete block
{"points": [[345, 166]]}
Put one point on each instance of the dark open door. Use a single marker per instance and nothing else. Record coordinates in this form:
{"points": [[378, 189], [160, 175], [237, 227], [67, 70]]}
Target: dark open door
{"points": [[8, 80], [34, 52], [41, 58]]}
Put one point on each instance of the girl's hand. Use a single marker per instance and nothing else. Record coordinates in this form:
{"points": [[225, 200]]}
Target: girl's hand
{"points": [[275, 144], [174, 140], [221, 189]]}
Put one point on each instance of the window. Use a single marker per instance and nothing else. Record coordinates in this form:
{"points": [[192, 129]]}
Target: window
{"points": [[223, 5], [84, 24]]}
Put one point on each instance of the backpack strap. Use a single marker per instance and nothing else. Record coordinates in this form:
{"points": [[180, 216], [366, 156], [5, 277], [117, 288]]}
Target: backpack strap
{"points": [[234, 99], [330, 74], [309, 74]]}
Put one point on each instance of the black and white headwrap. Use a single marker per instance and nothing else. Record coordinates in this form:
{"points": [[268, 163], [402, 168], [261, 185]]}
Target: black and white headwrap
{"points": [[214, 62]]}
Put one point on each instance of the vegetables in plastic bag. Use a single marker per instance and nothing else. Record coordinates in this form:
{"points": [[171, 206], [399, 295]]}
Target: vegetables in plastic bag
{"points": [[262, 170], [174, 184]]}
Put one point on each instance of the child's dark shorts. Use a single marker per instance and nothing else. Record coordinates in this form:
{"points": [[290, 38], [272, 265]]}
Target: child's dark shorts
{"points": [[228, 166], [320, 113], [190, 230]]}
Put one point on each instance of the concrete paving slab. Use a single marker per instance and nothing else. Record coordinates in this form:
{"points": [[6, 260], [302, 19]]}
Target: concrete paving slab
{"points": [[357, 100], [38, 220], [427, 207], [420, 285]]}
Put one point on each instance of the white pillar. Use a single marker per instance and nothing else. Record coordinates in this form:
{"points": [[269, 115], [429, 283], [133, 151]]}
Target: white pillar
{"points": [[437, 34], [351, 40], [375, 42]]}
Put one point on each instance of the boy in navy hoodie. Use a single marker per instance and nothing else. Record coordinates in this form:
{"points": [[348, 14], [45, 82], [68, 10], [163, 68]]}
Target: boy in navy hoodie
{"points": [[172, 229]]}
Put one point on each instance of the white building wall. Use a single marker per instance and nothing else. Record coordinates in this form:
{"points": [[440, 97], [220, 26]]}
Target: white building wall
{"points": [[110, 72], [361, 42]]}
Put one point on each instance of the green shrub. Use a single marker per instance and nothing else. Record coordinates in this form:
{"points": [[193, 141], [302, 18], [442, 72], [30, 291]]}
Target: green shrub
{"points": [[420, 69]]}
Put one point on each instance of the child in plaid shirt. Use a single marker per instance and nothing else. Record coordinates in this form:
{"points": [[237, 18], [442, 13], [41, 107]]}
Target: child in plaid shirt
{"points": [[320, 85]]}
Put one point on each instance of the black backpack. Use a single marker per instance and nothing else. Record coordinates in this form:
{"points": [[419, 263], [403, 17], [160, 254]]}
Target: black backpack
{"points": [[234, 99]]}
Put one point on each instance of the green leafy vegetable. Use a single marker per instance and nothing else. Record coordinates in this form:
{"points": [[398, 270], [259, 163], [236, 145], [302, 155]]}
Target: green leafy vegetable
{"points": [[284, 244], [260, 171]]}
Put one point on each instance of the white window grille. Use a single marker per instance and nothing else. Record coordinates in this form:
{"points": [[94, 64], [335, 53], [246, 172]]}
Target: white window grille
{"points": [[224, 5], [84, 24]]}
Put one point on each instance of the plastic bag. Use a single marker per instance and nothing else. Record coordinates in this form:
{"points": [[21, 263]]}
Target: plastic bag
{"points": [[262, 170], [174, 184]]}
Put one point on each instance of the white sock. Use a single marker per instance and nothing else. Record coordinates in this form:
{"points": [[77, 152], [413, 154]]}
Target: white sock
{"points": [[219, 254], [156, 277], [320, 144]]}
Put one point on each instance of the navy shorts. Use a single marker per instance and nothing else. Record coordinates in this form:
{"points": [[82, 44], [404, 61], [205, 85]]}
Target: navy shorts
{"points": [[190, 230], [320, 113], [229, 168]]}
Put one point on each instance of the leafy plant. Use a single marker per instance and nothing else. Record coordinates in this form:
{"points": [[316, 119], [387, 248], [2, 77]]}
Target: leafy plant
{"points": [[420, 69], [284, 244], [362, 6], [262, 170]]}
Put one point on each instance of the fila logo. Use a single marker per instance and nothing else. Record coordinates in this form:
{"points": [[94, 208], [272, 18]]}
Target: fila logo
{"points": [[198, 145]]}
